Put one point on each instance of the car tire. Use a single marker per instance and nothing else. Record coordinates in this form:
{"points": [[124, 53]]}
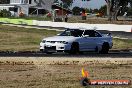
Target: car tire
{"points": [[105, 48], [74, 48]]}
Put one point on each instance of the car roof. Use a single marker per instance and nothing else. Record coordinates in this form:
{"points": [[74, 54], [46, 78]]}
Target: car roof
{"points": [[81, 29]]}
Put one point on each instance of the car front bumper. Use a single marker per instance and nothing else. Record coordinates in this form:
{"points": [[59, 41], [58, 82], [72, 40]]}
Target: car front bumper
{"points": [[56, 47]]}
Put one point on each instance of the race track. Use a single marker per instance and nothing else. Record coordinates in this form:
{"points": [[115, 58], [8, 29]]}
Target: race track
{"points": [[111, 54]]}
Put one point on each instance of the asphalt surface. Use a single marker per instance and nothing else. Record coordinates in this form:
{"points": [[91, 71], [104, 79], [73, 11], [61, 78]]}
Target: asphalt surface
{"points": [[111, 54]]}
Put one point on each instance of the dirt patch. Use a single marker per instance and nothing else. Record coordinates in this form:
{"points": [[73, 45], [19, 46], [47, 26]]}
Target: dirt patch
{"points": [[20, 72]]}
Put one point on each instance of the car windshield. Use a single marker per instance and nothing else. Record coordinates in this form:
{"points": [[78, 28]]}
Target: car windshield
{"points": [[72, 32]]}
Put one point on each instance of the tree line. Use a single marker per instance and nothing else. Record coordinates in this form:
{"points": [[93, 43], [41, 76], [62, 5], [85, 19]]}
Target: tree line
{"points": [[114, 8]]}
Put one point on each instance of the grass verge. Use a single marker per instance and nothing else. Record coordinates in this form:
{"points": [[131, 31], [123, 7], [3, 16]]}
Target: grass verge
{"points": [[19, 39]]}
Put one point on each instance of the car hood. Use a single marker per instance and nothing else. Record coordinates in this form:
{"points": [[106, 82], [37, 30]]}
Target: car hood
{"points": [[60, 38]]}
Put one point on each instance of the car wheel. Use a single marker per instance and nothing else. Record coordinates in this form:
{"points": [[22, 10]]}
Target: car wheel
{"points": [[74, 48], [105, 48]]}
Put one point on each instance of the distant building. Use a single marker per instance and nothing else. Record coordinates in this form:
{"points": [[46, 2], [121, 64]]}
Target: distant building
{"points": [[20, 8], [27, 7], [60, 13]]}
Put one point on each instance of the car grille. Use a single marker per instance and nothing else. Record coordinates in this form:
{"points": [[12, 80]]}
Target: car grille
{"points": [[50, 41]]}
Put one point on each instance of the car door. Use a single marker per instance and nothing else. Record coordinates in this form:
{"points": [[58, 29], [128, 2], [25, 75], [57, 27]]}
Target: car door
{"points": [[98, 39], [89, 40]]}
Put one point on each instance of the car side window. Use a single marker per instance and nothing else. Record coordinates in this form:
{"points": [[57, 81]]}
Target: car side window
{"points": [[86, 33], [91, 33], [77, 33], [97, 34]]}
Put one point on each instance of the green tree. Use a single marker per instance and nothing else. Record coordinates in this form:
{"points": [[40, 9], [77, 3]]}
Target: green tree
{"points": [[76, 10], [67, 3], [95, 10], [87, 10], [114, 7], [103, 10], [5, 13]]}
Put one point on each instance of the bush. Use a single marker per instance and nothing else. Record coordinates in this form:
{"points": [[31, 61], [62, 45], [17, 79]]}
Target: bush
{"points": [[76, 10], [5, 13]]}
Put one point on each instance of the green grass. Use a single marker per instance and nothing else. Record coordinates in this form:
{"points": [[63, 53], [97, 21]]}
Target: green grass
{"points": [[122, 43], [44, 18], [19, 39]]}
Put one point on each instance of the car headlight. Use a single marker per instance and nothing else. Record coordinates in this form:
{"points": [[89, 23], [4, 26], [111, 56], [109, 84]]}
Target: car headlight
{"points": [[43, 41]]}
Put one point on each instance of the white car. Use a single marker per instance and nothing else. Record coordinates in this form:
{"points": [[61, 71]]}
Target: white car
{"points": [[77, 40]]}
